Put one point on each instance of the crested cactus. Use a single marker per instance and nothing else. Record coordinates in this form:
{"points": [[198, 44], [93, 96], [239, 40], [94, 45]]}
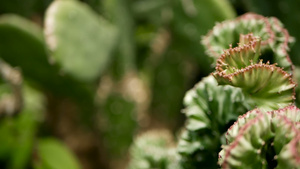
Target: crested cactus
{"points": [[246, 82], [269, 139], [209, 110], [275, 39], [264, 85], [253, 75]]}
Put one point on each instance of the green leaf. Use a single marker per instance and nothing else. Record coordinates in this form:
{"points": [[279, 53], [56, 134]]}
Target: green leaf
{"points": [[22, 45], [79, 39], [25, 129], [18, 133], [52, 154]]}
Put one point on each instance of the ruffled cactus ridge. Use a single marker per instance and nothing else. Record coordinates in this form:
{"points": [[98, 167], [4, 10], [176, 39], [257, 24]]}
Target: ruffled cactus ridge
{"points": [[275, 37], [244, 55], [210, 110], [265, 86], [261, 139], [289, 156]]}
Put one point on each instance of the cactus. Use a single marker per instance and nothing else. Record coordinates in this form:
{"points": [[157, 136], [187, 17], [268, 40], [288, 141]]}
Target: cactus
{"points": [[243, 80], [269, 139], [79, 39], [210, 108], [275, 39], [264, 85]]}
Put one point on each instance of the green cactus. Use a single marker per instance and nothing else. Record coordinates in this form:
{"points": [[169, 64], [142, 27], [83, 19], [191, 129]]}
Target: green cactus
{"points": [[242, 82], [257, 139], [275, 40], [79, 39], [264, 85], [210, 108]]}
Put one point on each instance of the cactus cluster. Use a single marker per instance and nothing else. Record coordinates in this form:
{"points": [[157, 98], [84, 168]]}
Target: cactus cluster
{"points": [[254, 76], [243, 80]]}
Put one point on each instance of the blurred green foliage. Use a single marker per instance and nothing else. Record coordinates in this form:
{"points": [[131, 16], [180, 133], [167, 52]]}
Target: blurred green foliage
{"points": [[66, 49], [54, 155], [119, 115], [88, 60]]}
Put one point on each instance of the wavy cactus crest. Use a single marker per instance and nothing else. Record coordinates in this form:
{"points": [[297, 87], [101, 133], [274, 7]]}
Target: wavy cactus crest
{"points": [[275, 39], [263, 140], [264, 85], [211, 108]]}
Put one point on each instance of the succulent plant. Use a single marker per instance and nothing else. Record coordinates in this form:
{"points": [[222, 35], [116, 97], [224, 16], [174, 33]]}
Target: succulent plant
{"points": [[73, 23], [275, 39], [264, 85], [261, 139], [211, 109]]}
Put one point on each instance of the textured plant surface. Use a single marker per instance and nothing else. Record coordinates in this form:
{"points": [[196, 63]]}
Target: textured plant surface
{"points": [[275, 39], [263, 140], [211, 108], [264, 85]]}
